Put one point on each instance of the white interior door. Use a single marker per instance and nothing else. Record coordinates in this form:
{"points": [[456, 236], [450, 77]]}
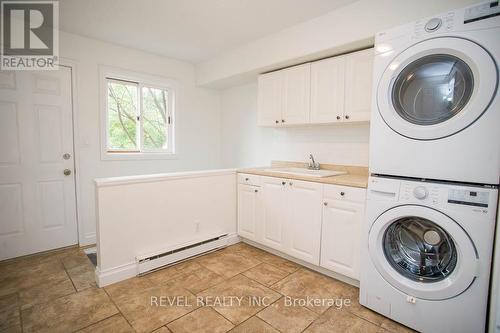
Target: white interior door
{"points": [[37, 199]]}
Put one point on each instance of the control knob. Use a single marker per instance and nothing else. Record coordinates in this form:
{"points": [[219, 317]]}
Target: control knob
{"points": [[420, 192]]}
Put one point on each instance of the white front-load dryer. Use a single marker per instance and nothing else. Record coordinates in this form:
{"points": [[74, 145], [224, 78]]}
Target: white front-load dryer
{"points": [[436, 106], [426, 253]]}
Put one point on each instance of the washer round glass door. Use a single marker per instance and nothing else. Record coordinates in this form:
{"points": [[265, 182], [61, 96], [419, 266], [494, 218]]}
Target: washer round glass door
{"points": [[436, 88], [422, 252]]}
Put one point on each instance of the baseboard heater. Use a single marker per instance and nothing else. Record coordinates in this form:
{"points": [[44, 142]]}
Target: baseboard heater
{"points": [[153, 262]]}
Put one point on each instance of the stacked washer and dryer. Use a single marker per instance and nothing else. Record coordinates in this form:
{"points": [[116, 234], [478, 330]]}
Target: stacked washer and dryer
{"points": [[435, 167]]}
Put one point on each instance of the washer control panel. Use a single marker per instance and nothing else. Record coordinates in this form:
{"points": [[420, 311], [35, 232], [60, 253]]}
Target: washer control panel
{"points": [[481, 12], [433, 24], [469, 198], [425, 193], [443, 23]]}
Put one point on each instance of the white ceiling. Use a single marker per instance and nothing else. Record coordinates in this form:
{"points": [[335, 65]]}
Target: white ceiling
{"points": [[190, 30]]}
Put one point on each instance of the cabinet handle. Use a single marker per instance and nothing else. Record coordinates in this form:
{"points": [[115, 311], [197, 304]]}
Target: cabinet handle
{"points": [[325, 203], [346, 116], [282, 120], [291, 183], [246, 179], [342, 194], [256, 191], [277, 122], [283, 183], [338, 117]]}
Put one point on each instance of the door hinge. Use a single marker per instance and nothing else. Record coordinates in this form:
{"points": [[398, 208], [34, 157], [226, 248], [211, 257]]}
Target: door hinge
{"points": [[169, 120]]}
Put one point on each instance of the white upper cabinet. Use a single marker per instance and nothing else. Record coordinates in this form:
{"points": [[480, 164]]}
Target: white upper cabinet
{"points": [[336, 89], [270, 99], [296, 95], [327, 90], [284, 96], [358, 86]]}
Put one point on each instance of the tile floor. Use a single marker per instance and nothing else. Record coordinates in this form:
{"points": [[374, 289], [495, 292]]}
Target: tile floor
{"points": [[236, 289]]}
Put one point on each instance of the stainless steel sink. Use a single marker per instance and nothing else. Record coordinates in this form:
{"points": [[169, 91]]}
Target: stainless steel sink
{"points": [[307, 172]]}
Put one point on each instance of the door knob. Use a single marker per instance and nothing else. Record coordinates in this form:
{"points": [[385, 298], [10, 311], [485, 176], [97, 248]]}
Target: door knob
{"points": [[67, 156], [67, 172]]}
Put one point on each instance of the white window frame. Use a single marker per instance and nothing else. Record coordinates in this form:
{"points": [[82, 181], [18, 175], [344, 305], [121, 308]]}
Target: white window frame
{"points": [[107, 74]]}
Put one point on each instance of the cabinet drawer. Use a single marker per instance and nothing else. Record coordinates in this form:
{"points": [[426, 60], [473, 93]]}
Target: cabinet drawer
{"points": [[244, 178], [346, 193]]}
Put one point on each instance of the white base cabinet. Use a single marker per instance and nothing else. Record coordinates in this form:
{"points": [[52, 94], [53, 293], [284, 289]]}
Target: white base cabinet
{"points": [[248, 210], [273, 214], [317, 223], [304, 220], [343, 213]]}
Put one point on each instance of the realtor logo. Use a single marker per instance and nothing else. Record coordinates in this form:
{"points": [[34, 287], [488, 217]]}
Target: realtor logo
{"points": [[29, 35]]}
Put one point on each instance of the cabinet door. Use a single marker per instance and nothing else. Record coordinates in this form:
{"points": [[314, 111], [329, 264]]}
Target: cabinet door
{"points": [[248, 211], [327, 90], [303, 228], [270, 99], [358, 86], [296, 95], [274, 212], [341, 237]]}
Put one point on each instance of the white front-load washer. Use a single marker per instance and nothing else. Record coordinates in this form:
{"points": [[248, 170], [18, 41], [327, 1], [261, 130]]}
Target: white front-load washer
{"points": [[436, 106], [426, 253]]}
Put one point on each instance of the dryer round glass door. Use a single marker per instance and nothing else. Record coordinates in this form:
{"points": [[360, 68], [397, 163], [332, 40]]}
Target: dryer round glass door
{"points": [[422, 252], [436, 88]]}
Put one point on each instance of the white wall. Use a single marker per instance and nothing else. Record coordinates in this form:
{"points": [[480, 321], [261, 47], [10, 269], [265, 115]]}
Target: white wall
{"points": [[143, 216], [344, 29], [197, 119], [245, 144]]}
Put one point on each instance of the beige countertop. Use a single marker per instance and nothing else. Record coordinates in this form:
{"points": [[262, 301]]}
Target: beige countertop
{"points": [[355, 177]]}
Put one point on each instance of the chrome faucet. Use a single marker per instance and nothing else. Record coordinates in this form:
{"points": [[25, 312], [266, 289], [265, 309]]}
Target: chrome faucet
{"points": [[313, 165]]}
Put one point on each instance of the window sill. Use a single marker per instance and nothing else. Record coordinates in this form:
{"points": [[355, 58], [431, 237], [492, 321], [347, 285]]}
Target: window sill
{"points": [[133, 156]]}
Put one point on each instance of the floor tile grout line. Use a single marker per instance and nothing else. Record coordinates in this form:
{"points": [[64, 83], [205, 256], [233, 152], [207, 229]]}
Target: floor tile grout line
{"points": [[99, 321], [256, 315], [118, 308]]}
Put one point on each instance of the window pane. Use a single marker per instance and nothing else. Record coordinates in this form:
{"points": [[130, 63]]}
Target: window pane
{"points": [[154, 118], [122, 116]]}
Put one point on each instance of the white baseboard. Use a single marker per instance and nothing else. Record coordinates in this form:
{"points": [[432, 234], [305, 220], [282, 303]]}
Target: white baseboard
{"points": [[130, 270], [319, 269], [116, 274]]}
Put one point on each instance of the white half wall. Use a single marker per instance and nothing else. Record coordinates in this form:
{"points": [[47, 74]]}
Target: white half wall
{"points": [[244, 144], [197, 119], [146, 215], [344, 29]]}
